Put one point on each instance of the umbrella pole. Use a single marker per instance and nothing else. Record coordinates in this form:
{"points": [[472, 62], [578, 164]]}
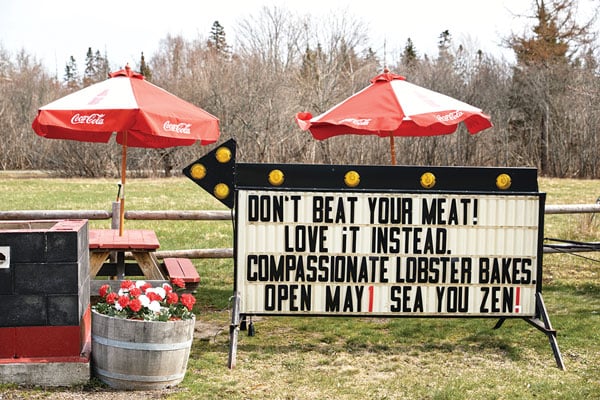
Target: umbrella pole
{"points": [[392, 148], [123, 177]]}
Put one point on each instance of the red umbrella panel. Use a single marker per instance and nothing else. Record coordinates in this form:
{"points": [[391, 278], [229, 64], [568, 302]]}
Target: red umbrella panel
{"points": [[390, 106], [140, 113]]}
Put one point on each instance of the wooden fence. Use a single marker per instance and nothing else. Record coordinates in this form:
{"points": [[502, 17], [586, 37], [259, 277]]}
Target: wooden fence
{"points": [[565, 246]]}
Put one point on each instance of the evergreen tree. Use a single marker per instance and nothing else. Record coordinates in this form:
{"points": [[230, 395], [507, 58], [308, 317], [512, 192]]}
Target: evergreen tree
{"points": [[217, 41], [444, 47], [71, 77], [96, 68], [545, 46], [409, 56], [557, 36], [544, 66], [101, 66], [144, 68], [370, 56], [89, 73]]}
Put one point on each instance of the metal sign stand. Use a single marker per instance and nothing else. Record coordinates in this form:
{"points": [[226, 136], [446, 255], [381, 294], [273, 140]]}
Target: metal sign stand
{"points": [[234, 330], [544, 326]]}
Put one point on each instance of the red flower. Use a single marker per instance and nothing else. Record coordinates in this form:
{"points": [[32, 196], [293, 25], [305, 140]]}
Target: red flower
{"points": [[188, 301], [123, 301], [135, 291], [104, 290], [127, 284], [168, 288], [146, 286], [153, 296], [135, 305], [172, 298], [178, 282], [112, 297]]}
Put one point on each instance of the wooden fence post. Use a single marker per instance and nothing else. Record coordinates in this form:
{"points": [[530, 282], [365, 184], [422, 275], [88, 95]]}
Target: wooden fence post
{"points": [[114, 219]]}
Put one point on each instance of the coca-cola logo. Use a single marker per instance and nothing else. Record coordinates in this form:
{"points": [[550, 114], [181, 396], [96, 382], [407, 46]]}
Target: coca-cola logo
{"points": [[454, 115], [177, 128], [91, 119], [357, 122]]}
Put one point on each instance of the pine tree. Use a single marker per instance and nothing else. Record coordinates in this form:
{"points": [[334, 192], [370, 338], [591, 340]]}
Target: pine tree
{"points": [[101, 66], [544, 61], [217, 41], [444, 47], [556, 35], [71, 77], [409, 56], [89, 73], [144, 68]]}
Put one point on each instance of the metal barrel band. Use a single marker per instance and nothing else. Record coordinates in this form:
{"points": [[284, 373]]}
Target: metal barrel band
{"points": [[141, 346], [138, 378]]}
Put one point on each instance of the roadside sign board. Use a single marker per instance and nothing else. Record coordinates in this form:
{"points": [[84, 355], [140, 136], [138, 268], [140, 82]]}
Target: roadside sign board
{"points": [[387, 253], [381, 241]]}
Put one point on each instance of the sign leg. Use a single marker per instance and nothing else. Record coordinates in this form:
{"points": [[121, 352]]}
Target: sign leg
{"points": [[234, 330], [545, 326]]}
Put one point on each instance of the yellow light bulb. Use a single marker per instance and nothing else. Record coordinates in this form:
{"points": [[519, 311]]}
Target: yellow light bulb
{"points": [[352, 178], [276, 177], [428, 180], [503, 181], [198, 171], [221, 191], [223, 154]]}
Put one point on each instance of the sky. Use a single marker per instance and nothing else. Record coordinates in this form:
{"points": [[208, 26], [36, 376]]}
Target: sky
{"points": [[54, 30]]}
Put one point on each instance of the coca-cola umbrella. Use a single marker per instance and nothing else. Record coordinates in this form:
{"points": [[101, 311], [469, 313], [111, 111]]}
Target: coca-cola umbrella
{"points": [[390, 106], [140, 113]]}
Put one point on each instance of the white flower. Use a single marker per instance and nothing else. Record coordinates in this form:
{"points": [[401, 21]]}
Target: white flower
{"points": [[144, 300], [154, 306], [139, 284]]}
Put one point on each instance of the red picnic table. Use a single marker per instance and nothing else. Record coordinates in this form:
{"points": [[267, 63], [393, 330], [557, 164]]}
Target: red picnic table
{"points": [[142, 244]]}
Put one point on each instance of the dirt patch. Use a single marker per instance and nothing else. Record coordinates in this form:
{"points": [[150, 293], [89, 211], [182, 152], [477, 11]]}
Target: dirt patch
{"points": [[207, 330]]}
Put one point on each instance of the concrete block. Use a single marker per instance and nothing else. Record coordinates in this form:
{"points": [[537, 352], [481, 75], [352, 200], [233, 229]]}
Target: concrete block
{"points": [[22, 310], [25, 246], [63, 310], [6, 281], [62, 246], [47, 278], [50, 374]]}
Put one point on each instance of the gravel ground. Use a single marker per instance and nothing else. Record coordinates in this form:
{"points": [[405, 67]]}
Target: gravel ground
{"points": [[77, 394]]}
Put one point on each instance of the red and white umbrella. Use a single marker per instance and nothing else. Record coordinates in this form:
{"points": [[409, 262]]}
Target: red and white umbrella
{"points": [[140, 113], [390, 107]]}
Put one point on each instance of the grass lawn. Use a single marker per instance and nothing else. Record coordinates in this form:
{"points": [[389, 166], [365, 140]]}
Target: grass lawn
{"points": [[352, 358]]}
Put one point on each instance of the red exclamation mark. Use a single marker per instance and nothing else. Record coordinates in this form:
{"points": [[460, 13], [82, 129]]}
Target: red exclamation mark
{"points": [[518, 300], [371, 290]]}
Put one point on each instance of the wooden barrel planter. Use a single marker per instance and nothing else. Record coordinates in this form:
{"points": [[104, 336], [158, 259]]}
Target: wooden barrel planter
{"points": [[140, 355]]}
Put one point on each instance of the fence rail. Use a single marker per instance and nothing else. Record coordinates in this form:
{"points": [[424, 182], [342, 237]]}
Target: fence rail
{"points": [[218, 215]]}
